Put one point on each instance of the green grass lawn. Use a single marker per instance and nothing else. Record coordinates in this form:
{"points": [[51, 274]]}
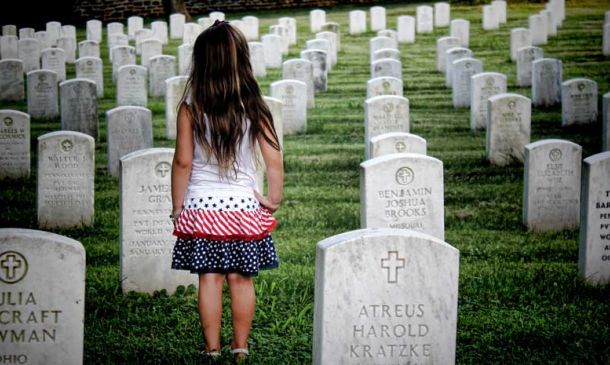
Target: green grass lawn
{"points": [[520, 300]]}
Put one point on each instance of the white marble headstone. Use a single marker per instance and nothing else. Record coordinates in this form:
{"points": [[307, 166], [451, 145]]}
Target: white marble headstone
{"points": [[460, 29], [94, 30], [386, 67], [69, 46], [462, 70], [128, 129], [131, 86], [160, 68], [322, 45], [53, 29], [551, 185], [159, 31], [43, 282], [88, 49], [546, 81], [508, 128], [11, 80], [54, 59], [42, 94], [14, 144], [9, 29], [593, 254], [454, 54], [538, 29], [29, 53], [405, 25], [320, 72], [134, 23], [392, 53], [293, 94], [250, 27], [92, 68], [391, 33], [396, 142], [191, 32], [176, 25], [578, 101], [302, 70], [490, 18], [378, 18], [122, 56], [403, 190], [43, 37], [272, 44], [385, 296], [317, 17], [385, 85], [442, 14], [145, 229], [216, 15], [173, 96], [442, 45], [385, 114], [483, 86], [9, 47], [525, 58], [331, 37], [185, 54], [519, 38], [425, 19], [357, 22], [66, 170], [78, 99], [257, 59], [150, 48], [116, 40], [291, 25]]}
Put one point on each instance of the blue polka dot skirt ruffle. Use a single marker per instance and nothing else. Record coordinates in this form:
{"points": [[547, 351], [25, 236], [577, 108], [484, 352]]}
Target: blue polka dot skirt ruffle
{"points": [[202, 255]]}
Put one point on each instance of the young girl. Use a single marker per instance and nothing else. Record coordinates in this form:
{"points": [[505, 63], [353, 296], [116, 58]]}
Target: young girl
{"points": [[221, 221]]}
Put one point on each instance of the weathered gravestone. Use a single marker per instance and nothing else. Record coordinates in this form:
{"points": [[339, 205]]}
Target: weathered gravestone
{"points": [[538, 29], [282, 32], [519, 38], [405, 26], [386, 67], [9, 47], [578, 102], [454, 54], [335, 28], [462, 70], [425, 19], [403, 190], [54, 31], [442, 45], [320, 71], [69, 46], [551, 185], [150, 48], [546, 82], [272, 44], [317, 17], [191, 32], [78, 99], [122, 56], [43, 297], [500, 10], [94, 31], [68, 31], [54, 59], [378, 18], [324, 46], [606, 122], [114, 28], [42, 94], [385, 296], [385, 114], [525, 58], [9, 29], [66, 163], [396, 142], [160, 68], [460, 29], [185, 54], [250, 27], [146, 231], [134, 23], [174, 91], [483, 86], [442, 14], [128, 129], [92, 68], [508, 128], [176, 25], [594, 251], [14, 144], [385, 85], [293, 94], [159, 31], [386, 53], [88, 49], [29, 53], [257, 59], [357, 22], [302, 70], [116, 40], [131, 86], [331, 37], [26, 33], [43, 38], [11, 80]]}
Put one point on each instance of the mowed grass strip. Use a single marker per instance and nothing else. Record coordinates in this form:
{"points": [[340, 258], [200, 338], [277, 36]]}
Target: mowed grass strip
{"points": [[520, 300]]}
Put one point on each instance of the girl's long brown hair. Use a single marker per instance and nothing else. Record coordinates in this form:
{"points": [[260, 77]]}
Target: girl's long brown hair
{"points": [[222, 86]]}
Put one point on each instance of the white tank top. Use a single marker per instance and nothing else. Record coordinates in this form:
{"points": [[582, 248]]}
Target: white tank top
{"points": [[205, 175]]}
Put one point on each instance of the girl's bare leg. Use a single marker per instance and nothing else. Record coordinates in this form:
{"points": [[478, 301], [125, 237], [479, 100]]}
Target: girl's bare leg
{"points": [[243, 300], [210, 308]]}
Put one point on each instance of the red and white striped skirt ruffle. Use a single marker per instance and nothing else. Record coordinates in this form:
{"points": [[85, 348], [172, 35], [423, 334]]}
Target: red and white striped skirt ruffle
{"points": [[224, 218]]}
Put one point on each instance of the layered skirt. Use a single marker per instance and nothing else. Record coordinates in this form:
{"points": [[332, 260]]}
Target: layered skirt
{"points": [[224, 234]]}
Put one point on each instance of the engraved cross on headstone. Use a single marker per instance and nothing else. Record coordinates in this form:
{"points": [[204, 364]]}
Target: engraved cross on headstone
{"points": [[163, 169], [392, 263], [10, 264]]}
